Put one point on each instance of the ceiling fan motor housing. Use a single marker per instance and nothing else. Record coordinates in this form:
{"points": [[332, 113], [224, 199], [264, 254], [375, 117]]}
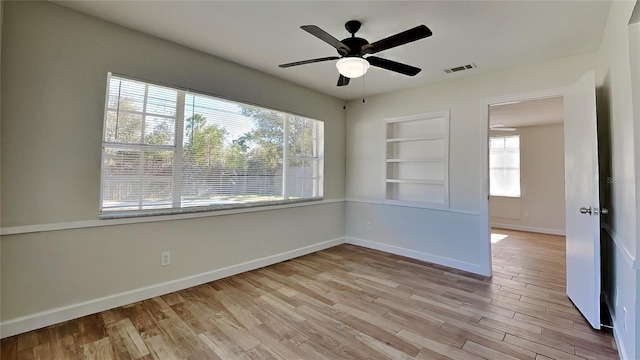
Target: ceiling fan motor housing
{"points": [[355, 44]]}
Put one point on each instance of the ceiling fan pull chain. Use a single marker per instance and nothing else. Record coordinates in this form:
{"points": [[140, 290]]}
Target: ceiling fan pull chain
{"points": [[344, 98], [363, 84]]}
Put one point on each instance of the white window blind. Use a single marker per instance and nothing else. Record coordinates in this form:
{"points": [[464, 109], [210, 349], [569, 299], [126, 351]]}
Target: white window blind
{"points": [[504, 166], [166, 150]]}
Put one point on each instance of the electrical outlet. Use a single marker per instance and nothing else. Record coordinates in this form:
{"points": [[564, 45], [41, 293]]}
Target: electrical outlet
{"points": [[369, 226], [165, 258], [624, 318]]}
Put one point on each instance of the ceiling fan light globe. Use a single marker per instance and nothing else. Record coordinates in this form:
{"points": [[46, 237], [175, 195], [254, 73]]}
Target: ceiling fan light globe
{"points": [[352, 67]]}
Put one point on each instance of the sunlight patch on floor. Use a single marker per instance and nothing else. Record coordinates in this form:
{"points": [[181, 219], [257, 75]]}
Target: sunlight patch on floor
{"points": [[495, 237]]}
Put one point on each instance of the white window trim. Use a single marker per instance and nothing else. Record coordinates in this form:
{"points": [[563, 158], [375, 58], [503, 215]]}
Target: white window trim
{"points": [[177, 149]]}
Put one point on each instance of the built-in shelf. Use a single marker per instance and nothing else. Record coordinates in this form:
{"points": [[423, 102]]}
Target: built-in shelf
{"points": [[417, 153]]}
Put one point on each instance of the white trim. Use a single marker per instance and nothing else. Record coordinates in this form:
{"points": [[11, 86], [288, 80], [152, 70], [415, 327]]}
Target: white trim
{"points": [[484, 158], [486, 255], [440, 260], [418, 117], [631, 260], [14, 230], [622, 351], [411, 204], [529, 229], [49, 317]]}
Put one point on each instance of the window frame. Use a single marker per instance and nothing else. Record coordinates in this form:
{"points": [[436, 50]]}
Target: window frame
{"points": [[504, 137], [177, 150]]}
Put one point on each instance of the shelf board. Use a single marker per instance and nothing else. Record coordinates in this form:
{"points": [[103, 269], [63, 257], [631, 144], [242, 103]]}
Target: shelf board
{"points": [[436, 159], [407, 181], [421, 138]]}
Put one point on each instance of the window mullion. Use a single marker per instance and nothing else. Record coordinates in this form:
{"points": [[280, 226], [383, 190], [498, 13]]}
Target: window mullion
{"points": [[141, 176], [285, 159], [177, 157], [319, 148], [144, 113]]}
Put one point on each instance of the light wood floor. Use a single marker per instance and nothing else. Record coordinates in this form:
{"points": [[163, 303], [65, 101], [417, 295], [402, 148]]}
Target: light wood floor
{"points": [[347, 302]]}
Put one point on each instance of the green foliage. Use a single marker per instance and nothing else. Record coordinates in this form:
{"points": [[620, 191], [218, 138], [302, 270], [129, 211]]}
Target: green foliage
{"points": [[300, 137], [205, 143], [123, 126], [266, 138], [161, 134]]}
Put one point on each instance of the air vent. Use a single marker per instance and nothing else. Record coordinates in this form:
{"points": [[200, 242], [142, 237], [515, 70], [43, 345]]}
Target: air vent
{"points": [[460, 68]]}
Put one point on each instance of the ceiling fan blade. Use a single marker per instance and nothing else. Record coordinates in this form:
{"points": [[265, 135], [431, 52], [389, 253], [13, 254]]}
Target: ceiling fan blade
{"points": [[310, 61], [343, 81], [326, 37], [393, 66], [502, 129], [417, 33]]}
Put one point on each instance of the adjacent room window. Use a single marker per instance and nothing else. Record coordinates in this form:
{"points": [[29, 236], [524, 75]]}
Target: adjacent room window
{"points": [[171, 150], [504, 166]]}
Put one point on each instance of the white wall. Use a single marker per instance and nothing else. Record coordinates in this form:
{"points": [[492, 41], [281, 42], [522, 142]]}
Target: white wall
{"points": [[1, 17], [634, 49], [452, 238], [615, 98], [540, 208], [53, 80]]}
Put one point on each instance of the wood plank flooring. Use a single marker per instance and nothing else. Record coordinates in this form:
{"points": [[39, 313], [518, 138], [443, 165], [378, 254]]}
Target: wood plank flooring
{"points": [[347, 302]]}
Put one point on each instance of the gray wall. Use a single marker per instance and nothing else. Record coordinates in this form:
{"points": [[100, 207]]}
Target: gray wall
{"points": [[1, 18], [54, 68], [454, 237], [541, 204], [622, 240]]}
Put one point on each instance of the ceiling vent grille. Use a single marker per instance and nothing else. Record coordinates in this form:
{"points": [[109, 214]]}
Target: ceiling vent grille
{"points": [[460, 68]]}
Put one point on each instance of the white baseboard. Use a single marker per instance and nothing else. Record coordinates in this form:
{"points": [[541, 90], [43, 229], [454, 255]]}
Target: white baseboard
{"points": [[38, 320], [440, 260], [622, 351], [529, 229]]}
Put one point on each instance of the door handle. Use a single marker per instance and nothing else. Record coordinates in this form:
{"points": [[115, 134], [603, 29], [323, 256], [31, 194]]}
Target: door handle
{"points": [[585, 210], [602, 211]]}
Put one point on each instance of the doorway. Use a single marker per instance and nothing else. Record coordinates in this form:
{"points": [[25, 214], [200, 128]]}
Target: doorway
{"points": [[582, 205], [526, 166]]}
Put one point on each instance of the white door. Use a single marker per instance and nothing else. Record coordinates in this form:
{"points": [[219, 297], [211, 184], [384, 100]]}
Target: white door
{"points": [[582, 198]]}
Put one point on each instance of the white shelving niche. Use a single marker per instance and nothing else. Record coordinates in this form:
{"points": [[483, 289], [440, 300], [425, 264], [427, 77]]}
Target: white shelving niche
{"points": [[417, 161]]}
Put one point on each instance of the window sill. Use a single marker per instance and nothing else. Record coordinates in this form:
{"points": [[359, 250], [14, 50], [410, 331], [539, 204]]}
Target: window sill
{"points": [[225, 208], [112, 221]]}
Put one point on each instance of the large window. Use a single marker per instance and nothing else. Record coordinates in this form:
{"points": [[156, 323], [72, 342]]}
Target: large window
{"points": [[168, 150], [504, 166]]}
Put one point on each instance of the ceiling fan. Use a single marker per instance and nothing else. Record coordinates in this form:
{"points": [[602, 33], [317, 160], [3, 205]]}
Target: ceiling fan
{"points": [[351, 62], [500, 127]]}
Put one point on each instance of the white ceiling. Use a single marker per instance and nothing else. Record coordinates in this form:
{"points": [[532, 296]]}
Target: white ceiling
{"points": [[528, 113], [262, 34]]}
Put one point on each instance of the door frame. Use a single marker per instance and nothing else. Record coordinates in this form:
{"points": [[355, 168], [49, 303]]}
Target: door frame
{"points": [[485, 216]]}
